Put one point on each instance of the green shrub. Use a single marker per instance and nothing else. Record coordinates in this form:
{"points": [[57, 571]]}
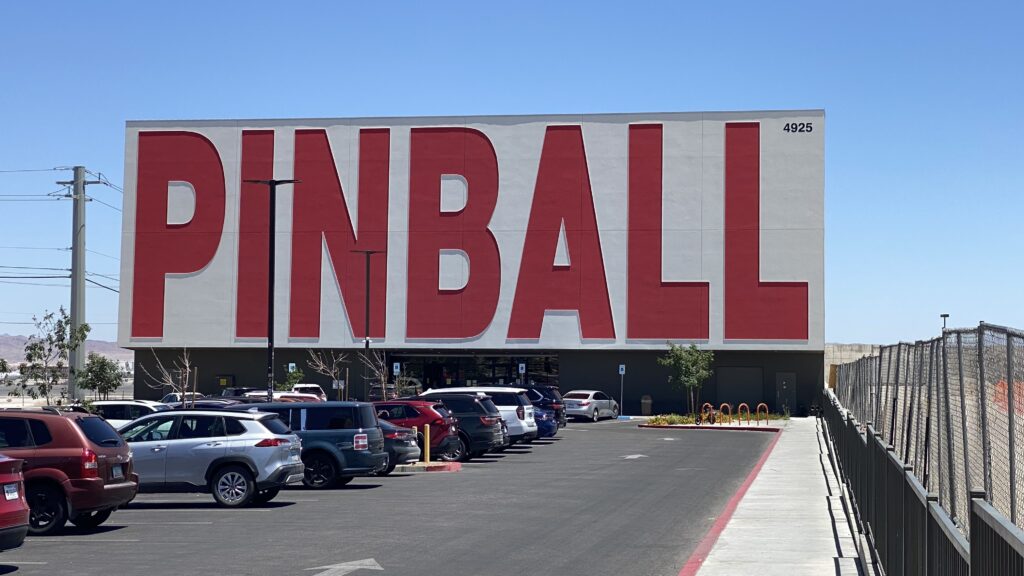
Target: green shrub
{"points": [[670, 419]]}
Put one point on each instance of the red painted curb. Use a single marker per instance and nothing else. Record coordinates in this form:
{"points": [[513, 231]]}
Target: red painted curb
{"points": [[700, 554], [710, 427], [432, 467]]}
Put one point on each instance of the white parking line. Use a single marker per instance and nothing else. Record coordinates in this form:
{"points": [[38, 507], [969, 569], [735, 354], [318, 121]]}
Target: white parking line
{"points": [[23, 562], [66, 540], [211, 509], [159, 523]]}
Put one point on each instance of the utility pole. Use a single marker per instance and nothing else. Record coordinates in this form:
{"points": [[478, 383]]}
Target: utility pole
{"points": [[366, 331], [77, 359], [272, 185]]}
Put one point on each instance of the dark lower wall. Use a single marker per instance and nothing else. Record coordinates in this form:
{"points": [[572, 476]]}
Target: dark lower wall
{"points": [[739, 376]]}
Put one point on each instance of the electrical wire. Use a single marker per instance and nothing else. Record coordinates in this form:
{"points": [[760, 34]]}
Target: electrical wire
{"points": [[94, 199], [102, 254], [103, 180], [35, 277], [114, 290], [57, 169], [35, 268], [34, 248], [103, 276]]}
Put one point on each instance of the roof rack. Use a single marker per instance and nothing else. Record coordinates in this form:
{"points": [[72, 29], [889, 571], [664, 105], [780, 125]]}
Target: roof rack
{"points": [[49, 409]]}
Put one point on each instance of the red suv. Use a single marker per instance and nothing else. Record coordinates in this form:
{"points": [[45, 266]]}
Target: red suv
{"points": [[77, 467], [13, 507], [444, 431]]}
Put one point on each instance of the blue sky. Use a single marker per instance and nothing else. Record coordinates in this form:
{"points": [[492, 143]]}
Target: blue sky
{"points": [[923, 103]]}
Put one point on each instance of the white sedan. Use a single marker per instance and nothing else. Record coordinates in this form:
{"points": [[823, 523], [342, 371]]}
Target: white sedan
{"points": [[592, 404]]}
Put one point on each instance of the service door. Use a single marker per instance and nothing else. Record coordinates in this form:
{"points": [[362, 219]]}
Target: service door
{"points": [[785, 391]]}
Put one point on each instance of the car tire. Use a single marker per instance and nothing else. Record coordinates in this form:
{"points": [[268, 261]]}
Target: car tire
{"points": [[615, 413], [233, 486], [454, 454], [264, 496], [320, 473], [596, 416], [91, 519], [387, 470], [48, 510]]}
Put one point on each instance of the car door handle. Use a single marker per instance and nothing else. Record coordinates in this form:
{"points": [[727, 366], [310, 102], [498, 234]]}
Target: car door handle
{"points": [[211, 444], [158, 448]]}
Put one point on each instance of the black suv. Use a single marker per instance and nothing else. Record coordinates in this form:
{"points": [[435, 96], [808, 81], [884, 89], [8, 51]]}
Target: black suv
{"points": [[547, 397], [340, 440], [479, 421]]}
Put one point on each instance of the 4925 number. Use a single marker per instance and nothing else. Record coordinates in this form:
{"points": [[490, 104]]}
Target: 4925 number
{"points": [[798, 127]]}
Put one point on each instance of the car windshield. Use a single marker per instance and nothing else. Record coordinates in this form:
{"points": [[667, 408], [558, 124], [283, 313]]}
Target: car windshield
{"points": [[99, 432], [577, 395]]}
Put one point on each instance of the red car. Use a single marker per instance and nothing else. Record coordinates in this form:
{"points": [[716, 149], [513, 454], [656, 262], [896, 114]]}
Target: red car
{"points": [[77, 467], [13, 506], [444, 430]]}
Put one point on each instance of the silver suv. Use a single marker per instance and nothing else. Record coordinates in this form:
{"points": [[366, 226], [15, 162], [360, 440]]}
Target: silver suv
{"points": [[239, 457]]}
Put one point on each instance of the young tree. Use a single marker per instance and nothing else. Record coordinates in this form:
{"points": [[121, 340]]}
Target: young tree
{"points": [[290, 380], [691, 367], [101, 375], [47, 355], [331, 365], [182, 377], [377, 368]]}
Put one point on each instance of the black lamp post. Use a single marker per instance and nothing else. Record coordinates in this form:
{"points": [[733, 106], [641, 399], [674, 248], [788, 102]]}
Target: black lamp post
{"points": [[943, 316], [366, 328], [272, 185]]}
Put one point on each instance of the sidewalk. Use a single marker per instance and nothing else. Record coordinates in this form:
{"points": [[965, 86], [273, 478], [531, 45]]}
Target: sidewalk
{"points": [[791, 520]]}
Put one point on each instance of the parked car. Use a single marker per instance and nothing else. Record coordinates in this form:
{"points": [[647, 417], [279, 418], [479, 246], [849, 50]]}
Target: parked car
{"points": [[120, 412], [14, 511], [261, 395], [546, 396], [236, 391], [513, 404], [592, 404], [340, 440], [547, 424], [205, 404], [478, 421], [444, 431], [239, 457], [400, 445], [176, 397], [374, 394], [313, 389], [76, 467]]}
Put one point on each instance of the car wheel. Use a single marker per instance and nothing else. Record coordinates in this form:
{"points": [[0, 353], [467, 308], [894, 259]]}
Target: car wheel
{"points": [[48, 511], [615, 413], [233, 486], [320, 471], [454, 454], [91, 519], [265, 496], [387, 470], [595, 417]]}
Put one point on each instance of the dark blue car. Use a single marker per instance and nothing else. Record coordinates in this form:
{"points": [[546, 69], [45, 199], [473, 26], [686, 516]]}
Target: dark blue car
{"points": [[547, 424]]}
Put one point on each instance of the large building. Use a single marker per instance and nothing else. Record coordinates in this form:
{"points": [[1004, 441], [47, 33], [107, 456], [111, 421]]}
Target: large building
{"points": [[563, 245]]}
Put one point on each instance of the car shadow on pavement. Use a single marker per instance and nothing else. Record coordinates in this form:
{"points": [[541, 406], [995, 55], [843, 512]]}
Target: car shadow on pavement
{"points": [[112, 526], [195, 505], [8, 569]]}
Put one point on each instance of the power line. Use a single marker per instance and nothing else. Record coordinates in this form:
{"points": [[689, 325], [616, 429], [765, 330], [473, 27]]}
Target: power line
{"points": [[94, 199], [35, 268], [103, 180], [101, 254], [90, 280], [36, 277], [33, 248], [35, 284], [57, 169], [41, 199], [103, 276]]}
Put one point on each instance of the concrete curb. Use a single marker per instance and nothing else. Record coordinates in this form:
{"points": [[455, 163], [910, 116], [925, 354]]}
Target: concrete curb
{"points": [[703, 549], [432, 467], [711, 427]]}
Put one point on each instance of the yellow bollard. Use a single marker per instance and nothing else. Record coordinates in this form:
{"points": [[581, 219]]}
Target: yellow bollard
{"points": [[426, 443]]}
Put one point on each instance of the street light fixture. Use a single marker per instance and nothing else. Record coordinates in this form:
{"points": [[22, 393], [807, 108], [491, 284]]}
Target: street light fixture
{"points": [[943, 316], [272, 185], [366, 327]]}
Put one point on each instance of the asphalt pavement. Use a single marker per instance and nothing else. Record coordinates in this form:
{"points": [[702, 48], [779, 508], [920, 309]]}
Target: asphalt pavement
{"points": [[599, 499]]}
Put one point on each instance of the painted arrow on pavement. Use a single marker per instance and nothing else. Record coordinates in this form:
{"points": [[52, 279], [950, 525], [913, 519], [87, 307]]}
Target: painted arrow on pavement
{"points": [[634, 456], [347, 567]]}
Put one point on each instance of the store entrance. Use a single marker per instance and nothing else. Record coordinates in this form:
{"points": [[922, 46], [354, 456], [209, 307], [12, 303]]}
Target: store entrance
{"points": [[445, 371]]}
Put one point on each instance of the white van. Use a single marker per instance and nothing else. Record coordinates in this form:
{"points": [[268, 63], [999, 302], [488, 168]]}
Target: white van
{"points": [[513, 403]]}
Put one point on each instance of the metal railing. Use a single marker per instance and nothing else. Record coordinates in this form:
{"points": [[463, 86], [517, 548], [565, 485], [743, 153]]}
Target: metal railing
{"points": [[910, 533]]}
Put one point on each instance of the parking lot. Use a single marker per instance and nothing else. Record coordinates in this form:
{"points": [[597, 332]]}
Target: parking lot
{"points": [[604, 498]]}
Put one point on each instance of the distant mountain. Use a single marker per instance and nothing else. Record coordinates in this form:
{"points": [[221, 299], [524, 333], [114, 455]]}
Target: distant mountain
{"points": [[12, 349]]}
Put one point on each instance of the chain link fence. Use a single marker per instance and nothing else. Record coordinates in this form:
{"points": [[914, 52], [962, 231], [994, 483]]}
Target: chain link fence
{"points": [[953, 408]]}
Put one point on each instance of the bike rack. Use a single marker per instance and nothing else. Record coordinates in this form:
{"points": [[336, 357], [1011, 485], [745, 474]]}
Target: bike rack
{"points": [[709, 410], [739, 413], [757, 414], [728, 414]]}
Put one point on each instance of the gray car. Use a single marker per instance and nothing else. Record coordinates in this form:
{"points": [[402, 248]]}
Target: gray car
{"points": [[239, 457]]}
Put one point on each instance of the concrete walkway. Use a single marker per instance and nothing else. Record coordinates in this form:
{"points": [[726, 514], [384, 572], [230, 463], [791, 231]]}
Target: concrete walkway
{"points": [[791, 520]]}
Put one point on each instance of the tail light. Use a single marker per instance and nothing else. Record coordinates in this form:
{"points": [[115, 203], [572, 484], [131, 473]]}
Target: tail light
{"points": [[437, 422], [556, 405], [585, 403], [90, 467], [521, 413], [271, 442], [488, 420], [361, 442], [391, 435]]}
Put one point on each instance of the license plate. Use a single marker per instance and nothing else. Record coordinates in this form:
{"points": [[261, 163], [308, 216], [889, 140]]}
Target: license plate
{"points": [[11, 491], [116, 472]]}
